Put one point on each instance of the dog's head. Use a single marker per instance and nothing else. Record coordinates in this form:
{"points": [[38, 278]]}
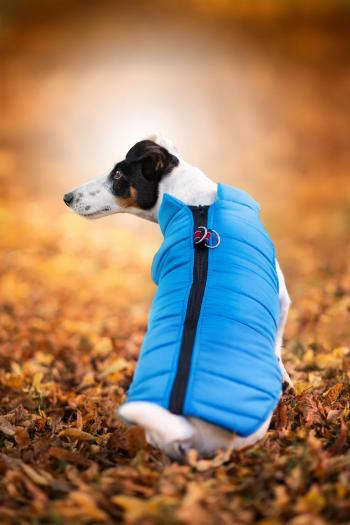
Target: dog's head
{"points": [[132, 185]]}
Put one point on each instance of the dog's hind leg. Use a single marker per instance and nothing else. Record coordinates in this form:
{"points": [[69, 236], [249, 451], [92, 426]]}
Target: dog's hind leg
{"points": [[284, 302], [208, 438], [175, 435], [242, 442]]}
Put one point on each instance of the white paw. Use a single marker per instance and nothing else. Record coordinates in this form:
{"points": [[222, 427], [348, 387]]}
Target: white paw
{"points": [[285, 376]]}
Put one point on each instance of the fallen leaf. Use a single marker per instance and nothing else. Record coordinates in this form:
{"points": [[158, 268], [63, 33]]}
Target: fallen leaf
{"points": [[116, 366], [75, 433], [36, 383], [6, 428], [136, 508], [39, 478], [69, 456], [332, 394], [340, 442]]}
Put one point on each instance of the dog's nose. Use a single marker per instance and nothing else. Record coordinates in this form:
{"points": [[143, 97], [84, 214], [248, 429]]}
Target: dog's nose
{"points": [[68, 198]]}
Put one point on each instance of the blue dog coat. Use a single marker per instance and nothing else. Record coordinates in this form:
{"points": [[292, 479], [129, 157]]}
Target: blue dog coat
{"points": [[209, 347]]}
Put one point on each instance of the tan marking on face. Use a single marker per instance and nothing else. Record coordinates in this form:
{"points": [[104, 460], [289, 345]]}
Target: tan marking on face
{"points": [[159, 165], [129, 202]]}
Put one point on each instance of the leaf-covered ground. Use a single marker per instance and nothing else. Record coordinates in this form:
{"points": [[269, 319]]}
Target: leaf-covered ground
{"points": [[74, 303]]}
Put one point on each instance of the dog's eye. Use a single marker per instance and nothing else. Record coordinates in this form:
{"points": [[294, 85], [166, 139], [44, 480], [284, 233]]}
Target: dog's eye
{"points": [[117, 174]]}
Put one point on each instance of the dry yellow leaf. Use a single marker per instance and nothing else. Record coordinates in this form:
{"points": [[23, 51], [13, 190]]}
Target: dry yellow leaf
{"points": [[116, 366], [136, 508], [43, 358], [301, 386], [313, 501], [75, 433], [39, 478], [332, 394], [86, 506], [36, 383]]}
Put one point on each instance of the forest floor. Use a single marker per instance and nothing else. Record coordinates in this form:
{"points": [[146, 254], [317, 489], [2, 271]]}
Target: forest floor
{"points": [[73, 312]]}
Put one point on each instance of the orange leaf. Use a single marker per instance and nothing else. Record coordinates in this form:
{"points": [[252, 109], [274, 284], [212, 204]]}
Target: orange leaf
{"points": [[75, 433]]}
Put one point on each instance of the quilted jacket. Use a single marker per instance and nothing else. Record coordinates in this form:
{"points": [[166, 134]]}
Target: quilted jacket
{"points": [[209, 347]]}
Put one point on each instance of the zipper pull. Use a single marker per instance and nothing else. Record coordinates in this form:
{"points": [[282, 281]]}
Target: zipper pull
{"points": [[200, 233]]}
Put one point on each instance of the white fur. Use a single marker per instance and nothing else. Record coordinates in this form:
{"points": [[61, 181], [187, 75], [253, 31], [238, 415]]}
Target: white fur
{"points": [[177, 434], [94, 200]]}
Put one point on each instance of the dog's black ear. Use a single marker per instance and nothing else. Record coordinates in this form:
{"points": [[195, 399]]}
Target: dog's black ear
{"points": [[155, 161]]}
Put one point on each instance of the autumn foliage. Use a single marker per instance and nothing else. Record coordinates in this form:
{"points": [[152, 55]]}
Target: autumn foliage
{"points": [[260, 99], [74, 307]]}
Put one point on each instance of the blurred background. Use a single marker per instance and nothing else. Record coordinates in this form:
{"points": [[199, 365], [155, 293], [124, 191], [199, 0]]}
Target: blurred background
{"points": [[255, 93]]}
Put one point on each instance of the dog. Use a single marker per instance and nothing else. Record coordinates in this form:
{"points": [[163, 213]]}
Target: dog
{"points": [[137, 184]]}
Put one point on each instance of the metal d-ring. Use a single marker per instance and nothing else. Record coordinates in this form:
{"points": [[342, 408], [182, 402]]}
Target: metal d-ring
{"points": [[198, 241], [218, 240]]}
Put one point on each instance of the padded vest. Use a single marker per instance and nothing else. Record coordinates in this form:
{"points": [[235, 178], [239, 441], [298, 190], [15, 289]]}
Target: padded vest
{"points": [[209, 346]]}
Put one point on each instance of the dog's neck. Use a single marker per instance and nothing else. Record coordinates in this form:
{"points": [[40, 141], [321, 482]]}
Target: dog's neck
{"points": [[188, 184]]}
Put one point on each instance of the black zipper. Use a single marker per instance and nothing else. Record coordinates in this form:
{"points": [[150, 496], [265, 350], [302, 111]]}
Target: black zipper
{"points": [[200, 271]]}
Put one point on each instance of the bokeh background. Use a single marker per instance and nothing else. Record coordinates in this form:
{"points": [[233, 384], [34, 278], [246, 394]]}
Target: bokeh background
{"points": [[255, 93]]}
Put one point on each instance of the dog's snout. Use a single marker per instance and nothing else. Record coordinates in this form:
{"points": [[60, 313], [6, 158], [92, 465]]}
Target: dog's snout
{"points": [[68, 198]]}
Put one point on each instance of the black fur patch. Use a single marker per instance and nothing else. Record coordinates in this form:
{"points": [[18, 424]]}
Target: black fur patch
{"points": [[144, 166]]}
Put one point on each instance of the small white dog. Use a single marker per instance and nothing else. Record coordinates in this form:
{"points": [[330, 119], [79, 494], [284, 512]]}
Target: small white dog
{"points": [[136, 185]]}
